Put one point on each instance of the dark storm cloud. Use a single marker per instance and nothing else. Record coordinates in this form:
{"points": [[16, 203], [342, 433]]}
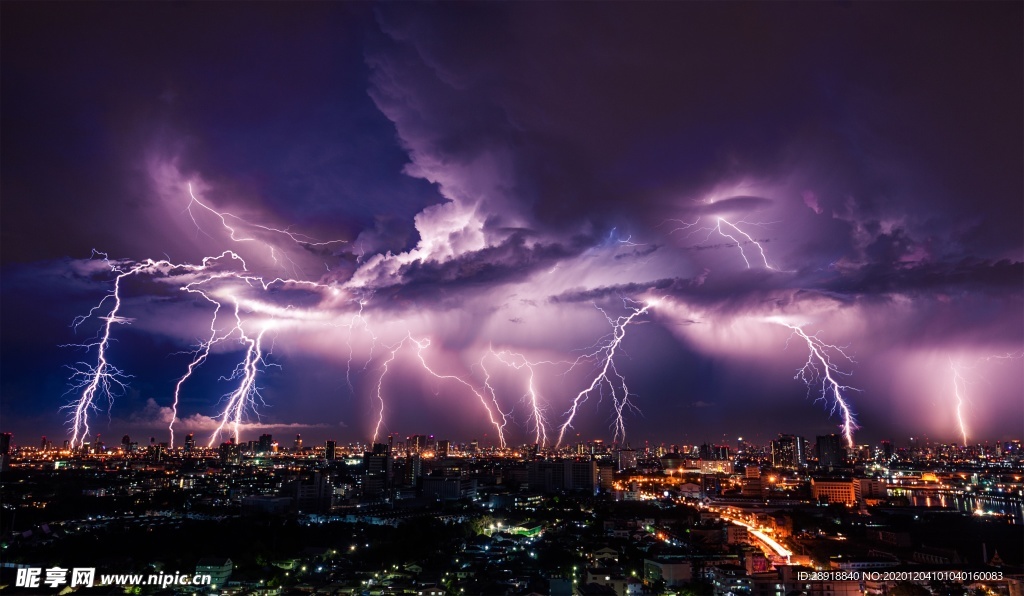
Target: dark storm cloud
{"points": [[602, 116], [511, 261], [554, 154]]}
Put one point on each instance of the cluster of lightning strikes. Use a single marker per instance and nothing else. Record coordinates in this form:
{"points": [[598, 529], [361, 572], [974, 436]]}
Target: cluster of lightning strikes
{"points": [[729, 230], [104, 379], [222, 280], [821, 371]]}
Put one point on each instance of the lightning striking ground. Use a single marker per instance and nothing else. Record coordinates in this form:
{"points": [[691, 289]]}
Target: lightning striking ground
{"points": [[608, 375], [537, 417], [821, 368], [421, 347], [959, 392], [103, 379]]}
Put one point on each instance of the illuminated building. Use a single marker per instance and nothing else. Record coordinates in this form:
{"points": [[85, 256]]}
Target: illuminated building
{"points": [[789, 451], [836, 491]]}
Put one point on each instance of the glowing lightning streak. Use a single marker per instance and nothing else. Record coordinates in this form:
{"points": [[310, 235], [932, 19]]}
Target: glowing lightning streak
{"points": [[358, 316], [421, 346], [958, 383], [605, 354], [684, 225], [300, 239], [380, 384], [820, 367], [519, 362], [101, 377], [246, 393]]}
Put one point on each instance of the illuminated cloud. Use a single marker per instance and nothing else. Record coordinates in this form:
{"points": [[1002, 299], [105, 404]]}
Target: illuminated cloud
{"points": [[513, 179]]}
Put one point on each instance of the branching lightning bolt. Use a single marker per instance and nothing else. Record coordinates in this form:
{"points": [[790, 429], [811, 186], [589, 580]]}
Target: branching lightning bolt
{"points": [[731, 231], [537, 411], [607, 376], [234, 233], [820, 368], [421, 346], [104, 379]]}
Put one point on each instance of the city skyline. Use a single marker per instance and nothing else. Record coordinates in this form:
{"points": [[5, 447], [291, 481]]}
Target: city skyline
{"points": [[631, 222]]}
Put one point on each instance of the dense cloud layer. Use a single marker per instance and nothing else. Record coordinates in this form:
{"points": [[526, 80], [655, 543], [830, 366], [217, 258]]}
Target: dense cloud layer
{"points": [[670, 184]]}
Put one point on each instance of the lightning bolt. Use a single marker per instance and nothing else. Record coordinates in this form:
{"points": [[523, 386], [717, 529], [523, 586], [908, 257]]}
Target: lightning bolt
{"points": [[101, 379], [731, 231], [536, 418], [104, 379], [236, 235], [958, 369], [358, 318], [821, 368], [959, 385], [421, 347], [603, 352]]}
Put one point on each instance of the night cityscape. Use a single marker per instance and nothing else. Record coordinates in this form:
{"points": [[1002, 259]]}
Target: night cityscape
{"points": [[553, 299]]}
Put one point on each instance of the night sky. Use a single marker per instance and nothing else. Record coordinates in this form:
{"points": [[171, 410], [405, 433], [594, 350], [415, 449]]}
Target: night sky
{"points": [[444, 218]]}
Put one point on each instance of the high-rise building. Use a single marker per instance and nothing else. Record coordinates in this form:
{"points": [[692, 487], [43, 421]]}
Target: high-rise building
{"points": [[887, 451], [789, 451], [416, 443], [331, 450], [265, 443], [298, 443], [831, 453], [627, 459], [377, 479], [190, 443], [5, 450]]}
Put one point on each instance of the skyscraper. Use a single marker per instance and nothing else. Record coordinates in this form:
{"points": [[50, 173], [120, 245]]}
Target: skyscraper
{"points": [[789, 451], [830, 451], [5, 450], [331, 450]]}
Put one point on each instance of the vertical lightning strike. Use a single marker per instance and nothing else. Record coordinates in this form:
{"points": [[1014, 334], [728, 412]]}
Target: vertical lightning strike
{"points": [[821, 368], [536, 418], [199, 356], [380, 383], [719, 221], [961, 372], [421, 346], [959, 385], [604, 353], [102, 378], [244, 396], [99, 378], [359, 318]]}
